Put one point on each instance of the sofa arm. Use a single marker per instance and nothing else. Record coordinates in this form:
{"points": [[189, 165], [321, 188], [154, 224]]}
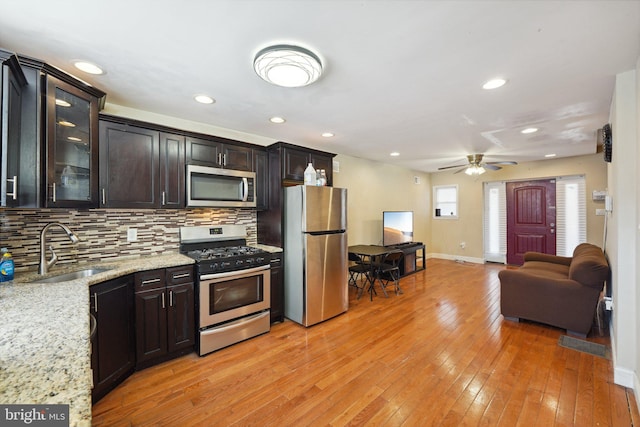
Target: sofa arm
{"points": [[555, 259]]}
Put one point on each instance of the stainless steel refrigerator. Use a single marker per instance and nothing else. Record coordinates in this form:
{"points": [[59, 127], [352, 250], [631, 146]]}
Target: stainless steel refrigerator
{"points": [[315, 253]]}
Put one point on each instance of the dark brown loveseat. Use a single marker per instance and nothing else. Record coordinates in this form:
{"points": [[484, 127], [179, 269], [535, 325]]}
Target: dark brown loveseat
{"points": [[558, 291]]}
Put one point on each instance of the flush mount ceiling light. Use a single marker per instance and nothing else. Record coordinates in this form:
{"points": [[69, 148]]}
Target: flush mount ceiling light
{"points": [[277, 120], [328, 134], [287, 65], [394, 154], [494, 84], [88, 67]]}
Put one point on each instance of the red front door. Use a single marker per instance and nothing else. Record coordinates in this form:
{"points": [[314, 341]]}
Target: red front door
{"points": [[531, 218]]}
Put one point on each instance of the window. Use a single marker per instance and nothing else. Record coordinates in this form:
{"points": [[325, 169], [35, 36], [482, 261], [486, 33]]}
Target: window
{"points": [[495, 222], [445, 201], [571, 214]]}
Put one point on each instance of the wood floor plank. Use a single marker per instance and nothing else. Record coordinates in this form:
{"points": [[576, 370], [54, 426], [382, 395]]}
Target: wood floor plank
{"points": [[439, 354]]}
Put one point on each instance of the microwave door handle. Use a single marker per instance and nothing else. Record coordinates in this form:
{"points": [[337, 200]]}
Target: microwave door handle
{"points": [[245, 189]]}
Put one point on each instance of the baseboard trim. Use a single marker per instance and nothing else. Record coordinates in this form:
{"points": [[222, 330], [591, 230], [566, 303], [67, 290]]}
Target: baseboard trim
{"points": [[457, 258], [622, 376]]}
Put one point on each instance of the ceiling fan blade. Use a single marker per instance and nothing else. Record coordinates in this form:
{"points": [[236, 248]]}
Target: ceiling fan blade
{"points": [[460, 170], [451, 167], [491, 166], [506, 162]]}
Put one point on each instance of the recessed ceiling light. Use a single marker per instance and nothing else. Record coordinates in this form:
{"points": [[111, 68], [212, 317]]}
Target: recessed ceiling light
{"points": [[277, 120], [550, 155], [62, 103], [204, 99], [328, 134], [494, 84], [529, 130], [88, 67], [287, 65], [394, 154]]}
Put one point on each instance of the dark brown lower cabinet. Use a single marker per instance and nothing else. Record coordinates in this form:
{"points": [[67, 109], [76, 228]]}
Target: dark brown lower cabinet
{"points": [[277, 288], [113, 343], [165, 314]]}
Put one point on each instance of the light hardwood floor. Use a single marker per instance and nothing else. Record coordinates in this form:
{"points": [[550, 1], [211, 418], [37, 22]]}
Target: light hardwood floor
{"points": [[440, 354]]}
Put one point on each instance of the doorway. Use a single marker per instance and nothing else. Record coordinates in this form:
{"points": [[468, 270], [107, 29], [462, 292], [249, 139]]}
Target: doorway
{"points": [[531, 218]]}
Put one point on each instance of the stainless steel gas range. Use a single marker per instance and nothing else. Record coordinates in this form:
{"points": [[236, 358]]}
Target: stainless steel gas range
{"points": [[233, 291]]}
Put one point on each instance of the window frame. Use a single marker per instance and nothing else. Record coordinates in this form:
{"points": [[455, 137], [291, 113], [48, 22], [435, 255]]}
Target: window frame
{"points": [[436, 202]]}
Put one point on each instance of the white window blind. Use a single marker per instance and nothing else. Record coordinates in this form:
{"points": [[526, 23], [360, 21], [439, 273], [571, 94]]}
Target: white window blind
{"points": [[445, 201], [495, 222], [571, 214]]}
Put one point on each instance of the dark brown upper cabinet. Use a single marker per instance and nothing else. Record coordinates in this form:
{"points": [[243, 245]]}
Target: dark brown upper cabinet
{"points": [[72, 146], [219, 153], [50, 155], [296, 160], [140, 168]]}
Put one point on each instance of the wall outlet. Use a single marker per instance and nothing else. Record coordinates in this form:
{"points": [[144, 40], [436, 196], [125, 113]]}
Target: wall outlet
{"points": [[132, 234]]}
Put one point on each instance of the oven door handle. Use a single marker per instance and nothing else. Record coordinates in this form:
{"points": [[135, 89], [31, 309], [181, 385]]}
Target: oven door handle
{"points": [[235, 273]]}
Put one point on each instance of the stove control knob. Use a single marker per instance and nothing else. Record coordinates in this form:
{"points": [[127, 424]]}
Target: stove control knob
{"points": [[250, 260], [260, 259], [239, 262]]}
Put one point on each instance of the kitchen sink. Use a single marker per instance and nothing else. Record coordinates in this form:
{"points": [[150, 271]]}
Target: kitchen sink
{"points": [[71, 276]]}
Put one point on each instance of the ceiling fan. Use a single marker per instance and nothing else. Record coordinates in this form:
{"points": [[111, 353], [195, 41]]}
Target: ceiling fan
{"points": [[476, 166]]}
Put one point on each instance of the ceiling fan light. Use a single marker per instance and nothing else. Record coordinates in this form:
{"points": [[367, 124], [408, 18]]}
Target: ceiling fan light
{"points": [[474, 170], [287, 65]]}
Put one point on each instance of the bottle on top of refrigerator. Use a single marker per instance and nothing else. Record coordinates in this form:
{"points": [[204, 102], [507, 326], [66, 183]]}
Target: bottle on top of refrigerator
{"points": [[6, 266], [310, 175]]}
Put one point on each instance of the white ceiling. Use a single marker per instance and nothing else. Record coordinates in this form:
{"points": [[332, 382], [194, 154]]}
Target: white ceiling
{"points": [[401, 76]]}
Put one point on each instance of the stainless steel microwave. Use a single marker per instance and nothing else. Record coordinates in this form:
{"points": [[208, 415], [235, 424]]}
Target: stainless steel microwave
{"points": [[214, 187]]}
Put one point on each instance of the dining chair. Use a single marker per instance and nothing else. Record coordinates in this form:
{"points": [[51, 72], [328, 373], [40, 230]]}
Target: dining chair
{"points": [[359, 268], [388, 270]]}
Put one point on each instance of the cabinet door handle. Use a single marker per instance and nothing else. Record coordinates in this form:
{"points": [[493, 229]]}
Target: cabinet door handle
{"points": [[163, 304], [180, 276], [53, 192], [14, 195], [170, 298], [150, 281], [224, 160], [163, 199], [95, 302], [104, 197]]}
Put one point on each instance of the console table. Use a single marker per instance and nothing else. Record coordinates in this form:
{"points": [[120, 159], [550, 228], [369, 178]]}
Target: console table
{"points": [[411, 256]]}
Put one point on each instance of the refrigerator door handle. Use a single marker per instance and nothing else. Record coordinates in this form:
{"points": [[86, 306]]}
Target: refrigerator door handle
{"points": [[322, 233]]}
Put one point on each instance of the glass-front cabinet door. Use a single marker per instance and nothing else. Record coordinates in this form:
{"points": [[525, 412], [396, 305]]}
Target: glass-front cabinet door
{"points": [[71, 147]]}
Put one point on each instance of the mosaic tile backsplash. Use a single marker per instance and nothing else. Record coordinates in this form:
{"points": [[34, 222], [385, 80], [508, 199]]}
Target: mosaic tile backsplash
{"points": [[103, 232]]}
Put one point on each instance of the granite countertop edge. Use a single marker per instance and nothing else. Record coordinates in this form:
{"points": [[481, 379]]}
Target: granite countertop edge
{"points": [[45, 349]]}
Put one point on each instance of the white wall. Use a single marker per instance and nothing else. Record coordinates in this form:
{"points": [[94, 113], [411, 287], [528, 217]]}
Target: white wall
{"points": [[623, 241]]}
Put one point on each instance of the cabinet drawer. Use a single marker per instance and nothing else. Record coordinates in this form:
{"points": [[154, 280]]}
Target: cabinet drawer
{"points": [[148, 280], [178, 275]]}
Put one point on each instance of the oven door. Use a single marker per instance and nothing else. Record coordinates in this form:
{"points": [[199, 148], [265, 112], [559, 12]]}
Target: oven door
{"points": [[228, 296]]}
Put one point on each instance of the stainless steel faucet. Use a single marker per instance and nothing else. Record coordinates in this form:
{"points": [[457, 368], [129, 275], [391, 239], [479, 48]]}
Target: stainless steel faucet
{"points": [[44, 264]]}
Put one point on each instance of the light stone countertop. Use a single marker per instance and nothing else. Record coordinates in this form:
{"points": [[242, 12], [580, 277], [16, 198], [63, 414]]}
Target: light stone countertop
{"points": [[45, 355]]}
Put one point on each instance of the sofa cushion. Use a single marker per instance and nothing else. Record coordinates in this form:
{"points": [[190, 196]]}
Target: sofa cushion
{"points": [[546, 269], [589, 266]]}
